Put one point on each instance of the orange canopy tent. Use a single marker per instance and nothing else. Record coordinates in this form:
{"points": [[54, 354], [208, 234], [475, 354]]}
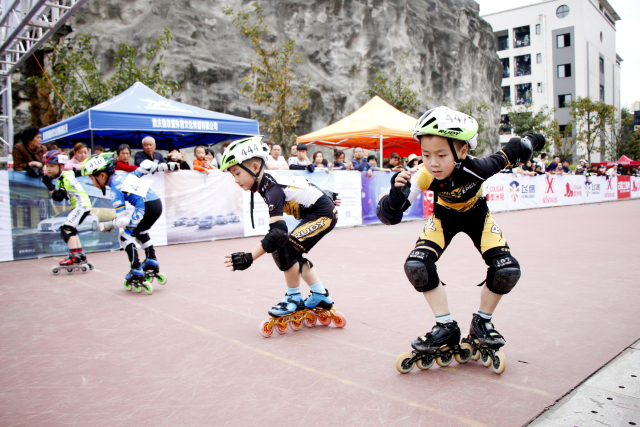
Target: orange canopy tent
{"points": [[375, 126]]}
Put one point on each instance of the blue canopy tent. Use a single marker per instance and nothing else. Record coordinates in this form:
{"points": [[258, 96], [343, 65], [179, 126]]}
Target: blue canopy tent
{"points": [[138, 112]]}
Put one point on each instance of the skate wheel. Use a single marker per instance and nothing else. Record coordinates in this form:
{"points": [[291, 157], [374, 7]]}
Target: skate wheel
{"points": [[403, 364], [476, 353], [136, 288], [466, 350], [445, 359], [499, 363], [339, 320], [265, 329], [69, 270], [148, 288], [84, 269], [90, 266], [162, 278], [281, 328], [324, 318], [127, 286], [425, 363], [55, 270], [310, 320], [486, 360], [295, 325]]}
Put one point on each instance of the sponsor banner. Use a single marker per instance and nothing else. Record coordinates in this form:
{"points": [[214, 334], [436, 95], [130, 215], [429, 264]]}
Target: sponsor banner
{"points": [[348, 185], [522, 192], [551, 193], [201, 206], [594, 189], [624, 187], [610, 188], [635, 186], [6, 247], [573, 189], [496, 190], [374, 188]]}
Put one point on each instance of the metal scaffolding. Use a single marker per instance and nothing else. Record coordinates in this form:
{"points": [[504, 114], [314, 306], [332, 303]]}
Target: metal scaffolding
{"points": [[24, 26]]}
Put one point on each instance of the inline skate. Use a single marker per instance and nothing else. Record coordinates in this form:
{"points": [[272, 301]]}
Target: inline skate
{"points": [[486, 343], [136, 280], [440, 346], [72, 263], [151, 268], [292, 311]]}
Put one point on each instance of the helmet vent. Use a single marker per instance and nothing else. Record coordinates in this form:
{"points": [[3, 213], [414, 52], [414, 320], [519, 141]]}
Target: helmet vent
{"points": [[431, 120]]}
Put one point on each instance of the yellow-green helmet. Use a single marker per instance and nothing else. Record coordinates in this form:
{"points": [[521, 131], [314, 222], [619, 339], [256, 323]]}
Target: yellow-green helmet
{"points": [[448, 123], [104, 162], [244, 149]]}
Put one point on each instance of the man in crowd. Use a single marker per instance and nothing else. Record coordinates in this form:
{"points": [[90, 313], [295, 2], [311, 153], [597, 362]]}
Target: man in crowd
{"points": [[27, 155], [301, 161], [294, 153], [394, 163], [358, 162], [543, 161], [148, 152], [565, 167], [553, 165], [275, 160], [98, 149]]}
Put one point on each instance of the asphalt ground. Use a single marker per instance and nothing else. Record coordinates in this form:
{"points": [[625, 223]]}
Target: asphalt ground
{"points": [[81, 350]]}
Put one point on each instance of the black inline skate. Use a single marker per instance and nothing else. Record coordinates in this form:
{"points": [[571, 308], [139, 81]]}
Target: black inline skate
{"points": [[441, 346], [136, 281], [486, 342], [151, 269]]}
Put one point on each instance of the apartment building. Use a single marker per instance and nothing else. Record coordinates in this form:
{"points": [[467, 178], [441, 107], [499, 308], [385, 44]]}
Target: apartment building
{"points": [[555, 51]]}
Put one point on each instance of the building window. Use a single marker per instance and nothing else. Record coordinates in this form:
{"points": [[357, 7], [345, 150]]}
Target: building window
{"points": [[503, 42], [601, 93], [565, 130], [505, 67], [564, 70], [601, 65], [506, 95], [521, 37], [538, 29], [523, 94], [562, 11], [601, 8], [564, 100], [505, 125], [539, 58], [523, 65], [600, 36], [563, 40], [539, 87]]}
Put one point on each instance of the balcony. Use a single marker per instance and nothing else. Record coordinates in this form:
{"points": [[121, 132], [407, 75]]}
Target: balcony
{"points": [[523, 65], [523, 94], [505, 67], [521, 37]]}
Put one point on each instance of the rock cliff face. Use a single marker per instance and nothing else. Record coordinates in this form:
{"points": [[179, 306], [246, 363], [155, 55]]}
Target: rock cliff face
{"points": [[442, 45]]}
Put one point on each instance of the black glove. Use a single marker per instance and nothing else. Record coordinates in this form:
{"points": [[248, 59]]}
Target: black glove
{"points": [[537, 141], [241, 260], [330, 194], [310, 168], [398, 196], [47, 181], [59, 195], [521, 149]]}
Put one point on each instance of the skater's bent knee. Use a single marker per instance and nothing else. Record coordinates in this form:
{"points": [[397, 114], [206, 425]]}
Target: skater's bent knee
{"points": [[66, 231], [286, 257], [503, 274], [421, 270]]}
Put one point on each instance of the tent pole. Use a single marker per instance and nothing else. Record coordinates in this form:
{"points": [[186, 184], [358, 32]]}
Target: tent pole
{"points": [[380, 165], [91, 141]]}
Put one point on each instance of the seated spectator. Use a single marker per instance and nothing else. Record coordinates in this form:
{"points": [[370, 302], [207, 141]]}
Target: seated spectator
{"points": [[148, 152], [275, 160], [294, 153], [210, 158], [553, 165], [566, 167], [301, 162], [123, 153], [579, 170], [80, 154], [27, 155], [613, 171], [373, 164], [338, 161], [525, 169], [413, 163], [539, 170], [358, 163], [199, 161], [98, 149], [177, 156], [318, 162], [394, 163]]}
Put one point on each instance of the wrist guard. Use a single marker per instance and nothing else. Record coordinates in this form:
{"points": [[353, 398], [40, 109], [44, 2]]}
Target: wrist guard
{"points": [[241, 260], [398, 196]]}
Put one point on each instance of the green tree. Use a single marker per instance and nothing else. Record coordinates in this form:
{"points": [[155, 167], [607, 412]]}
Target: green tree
{"points": [[398, 93], [479, 110], [270, 83], [622, 138], [524, 119], [76, 75], [590, 121]]}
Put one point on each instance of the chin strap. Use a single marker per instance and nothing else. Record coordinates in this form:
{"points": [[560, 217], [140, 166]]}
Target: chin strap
{"points": [[455, 154], [254, 188]]}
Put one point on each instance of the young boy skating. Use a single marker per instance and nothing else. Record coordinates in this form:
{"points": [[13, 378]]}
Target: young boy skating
{"points": [[446, 136], [245, 159], [68, 189]]}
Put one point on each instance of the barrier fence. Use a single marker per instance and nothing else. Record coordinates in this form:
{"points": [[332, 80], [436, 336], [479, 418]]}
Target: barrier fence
{"points": [[200, 207]]}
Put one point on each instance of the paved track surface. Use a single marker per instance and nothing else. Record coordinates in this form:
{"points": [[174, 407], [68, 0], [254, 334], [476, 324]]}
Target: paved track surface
{"points": [[81, 350]]}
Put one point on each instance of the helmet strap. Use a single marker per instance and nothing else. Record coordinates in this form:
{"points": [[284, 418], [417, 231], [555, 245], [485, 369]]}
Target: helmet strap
{"points": [[254, 187], [455, 154]]}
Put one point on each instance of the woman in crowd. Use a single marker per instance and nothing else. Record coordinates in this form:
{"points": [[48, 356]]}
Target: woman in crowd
{"points": [[199, 163], [413, 163], [177, 156], [318, 162], [210, 158], [80, 154], [123, 153], [338, 161]]}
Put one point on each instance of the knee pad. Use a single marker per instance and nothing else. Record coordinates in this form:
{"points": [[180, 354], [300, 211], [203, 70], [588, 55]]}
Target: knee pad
{"points": [[420, 268], [66, 231], [503, 274], [286, 257]]}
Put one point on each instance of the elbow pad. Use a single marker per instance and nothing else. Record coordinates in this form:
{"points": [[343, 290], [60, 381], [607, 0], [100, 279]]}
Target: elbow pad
{"points": [[276, 238], [121, 221], [386, 214]]}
